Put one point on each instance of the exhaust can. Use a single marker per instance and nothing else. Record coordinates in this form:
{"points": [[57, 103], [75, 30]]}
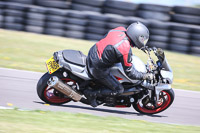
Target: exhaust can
{"points": [[57, 84]]}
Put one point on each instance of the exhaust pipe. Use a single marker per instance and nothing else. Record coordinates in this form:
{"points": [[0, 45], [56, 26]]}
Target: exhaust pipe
{"points": [[56, 83], [130, 91]]}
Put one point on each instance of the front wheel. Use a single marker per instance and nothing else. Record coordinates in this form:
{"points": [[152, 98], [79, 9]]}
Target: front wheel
{"points": [[166, 99], [51, 95]]}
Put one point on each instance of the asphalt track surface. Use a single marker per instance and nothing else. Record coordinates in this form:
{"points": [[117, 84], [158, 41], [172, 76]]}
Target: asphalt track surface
{"points": [[18, 89]]}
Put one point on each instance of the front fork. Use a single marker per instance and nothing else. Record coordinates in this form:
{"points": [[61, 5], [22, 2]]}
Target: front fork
{"points": [[154, 93]]}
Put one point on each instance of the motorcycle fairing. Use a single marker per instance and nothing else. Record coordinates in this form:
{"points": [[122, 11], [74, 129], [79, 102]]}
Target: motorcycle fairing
{"points": [[118, 71], [166, 71], [138, 64]]}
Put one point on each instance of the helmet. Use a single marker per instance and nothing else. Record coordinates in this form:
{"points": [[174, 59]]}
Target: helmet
{"points": [[138, 33]]}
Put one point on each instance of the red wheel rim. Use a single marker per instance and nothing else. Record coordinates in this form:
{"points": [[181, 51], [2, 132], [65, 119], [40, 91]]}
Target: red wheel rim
{"points": [[52, 98], [161, 107]]}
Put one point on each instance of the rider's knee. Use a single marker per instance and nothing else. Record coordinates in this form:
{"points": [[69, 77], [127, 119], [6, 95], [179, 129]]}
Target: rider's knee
{"points": [[120, 89]]}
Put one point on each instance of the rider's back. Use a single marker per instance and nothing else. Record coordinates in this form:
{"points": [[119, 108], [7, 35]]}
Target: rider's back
{"points": [[110, 49]]}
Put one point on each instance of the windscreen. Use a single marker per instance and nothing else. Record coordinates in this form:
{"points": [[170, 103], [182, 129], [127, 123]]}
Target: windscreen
{"points": [[165, 65]]}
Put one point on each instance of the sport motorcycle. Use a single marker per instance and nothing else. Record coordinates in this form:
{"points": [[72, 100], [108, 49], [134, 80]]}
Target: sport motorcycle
{"points": [[68, 77]]}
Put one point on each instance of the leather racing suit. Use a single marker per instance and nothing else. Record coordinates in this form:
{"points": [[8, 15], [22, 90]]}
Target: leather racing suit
{"points": [[115, 47]]}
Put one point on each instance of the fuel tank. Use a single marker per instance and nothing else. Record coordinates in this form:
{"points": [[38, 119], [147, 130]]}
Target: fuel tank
{"points": [[118, 71]]}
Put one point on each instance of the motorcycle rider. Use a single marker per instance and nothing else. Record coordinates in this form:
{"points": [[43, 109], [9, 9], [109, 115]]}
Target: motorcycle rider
{"points": [[115, 47]]}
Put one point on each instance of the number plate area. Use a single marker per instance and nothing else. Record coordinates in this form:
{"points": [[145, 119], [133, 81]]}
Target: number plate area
{"points": [[52, 66]]}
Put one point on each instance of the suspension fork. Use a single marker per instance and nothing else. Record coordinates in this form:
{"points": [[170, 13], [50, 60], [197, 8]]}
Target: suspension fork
{"points": [[156, 93], [154, 97]]}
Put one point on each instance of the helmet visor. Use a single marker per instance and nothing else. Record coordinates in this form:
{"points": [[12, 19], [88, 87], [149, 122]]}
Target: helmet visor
{"points": [[143, 40]]}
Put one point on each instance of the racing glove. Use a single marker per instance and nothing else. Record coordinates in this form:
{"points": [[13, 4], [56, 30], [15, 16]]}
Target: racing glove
{"points": [[160, 54], [148, 76]]}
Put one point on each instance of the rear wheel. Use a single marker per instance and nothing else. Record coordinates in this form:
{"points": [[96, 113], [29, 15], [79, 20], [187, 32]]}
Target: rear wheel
{"points": [[51, 95], [166, 99]]}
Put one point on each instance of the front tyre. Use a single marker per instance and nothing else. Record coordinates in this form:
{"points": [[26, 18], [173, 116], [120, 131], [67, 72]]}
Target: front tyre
{"points": [[50, 95], [166, 99]]}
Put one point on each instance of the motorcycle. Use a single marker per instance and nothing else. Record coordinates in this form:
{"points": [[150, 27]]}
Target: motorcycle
{"points": [[68, 77]]}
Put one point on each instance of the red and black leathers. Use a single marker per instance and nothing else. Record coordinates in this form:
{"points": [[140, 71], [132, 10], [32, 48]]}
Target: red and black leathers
{"points": [[115, 47]]}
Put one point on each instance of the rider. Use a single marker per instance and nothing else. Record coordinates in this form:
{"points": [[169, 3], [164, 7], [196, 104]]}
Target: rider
{"points": [[115, 47]]}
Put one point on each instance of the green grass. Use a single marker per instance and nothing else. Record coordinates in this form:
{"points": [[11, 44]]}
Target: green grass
{"points": [[14, 121], [26, 51]]}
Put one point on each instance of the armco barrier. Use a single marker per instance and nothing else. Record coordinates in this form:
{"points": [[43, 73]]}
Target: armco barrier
{"points": [[174, 28]]}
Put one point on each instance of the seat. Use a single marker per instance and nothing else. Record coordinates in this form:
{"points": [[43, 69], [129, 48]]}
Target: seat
{"points": [[75, 57]]}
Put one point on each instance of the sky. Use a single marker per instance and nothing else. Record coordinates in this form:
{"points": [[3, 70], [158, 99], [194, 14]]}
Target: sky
{"points": [[169, 2]]}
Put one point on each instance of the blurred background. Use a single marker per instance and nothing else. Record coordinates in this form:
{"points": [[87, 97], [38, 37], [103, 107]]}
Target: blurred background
{"points": [[170, 2], [174, 24]]}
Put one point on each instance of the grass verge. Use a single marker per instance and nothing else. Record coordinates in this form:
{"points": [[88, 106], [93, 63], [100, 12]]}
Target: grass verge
{"points": [[14, 121], [27, 51]]}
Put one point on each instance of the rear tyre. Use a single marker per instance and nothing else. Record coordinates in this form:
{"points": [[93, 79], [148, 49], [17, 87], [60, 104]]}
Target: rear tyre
{"points": [[166, 99], [50, 95]]}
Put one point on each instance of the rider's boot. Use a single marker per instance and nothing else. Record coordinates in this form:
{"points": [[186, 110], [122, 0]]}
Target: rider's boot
{"points": [[91, 96], [109, 96]]}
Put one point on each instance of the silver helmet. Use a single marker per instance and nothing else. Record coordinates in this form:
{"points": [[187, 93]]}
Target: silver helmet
{"points": [[138, 33]]}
